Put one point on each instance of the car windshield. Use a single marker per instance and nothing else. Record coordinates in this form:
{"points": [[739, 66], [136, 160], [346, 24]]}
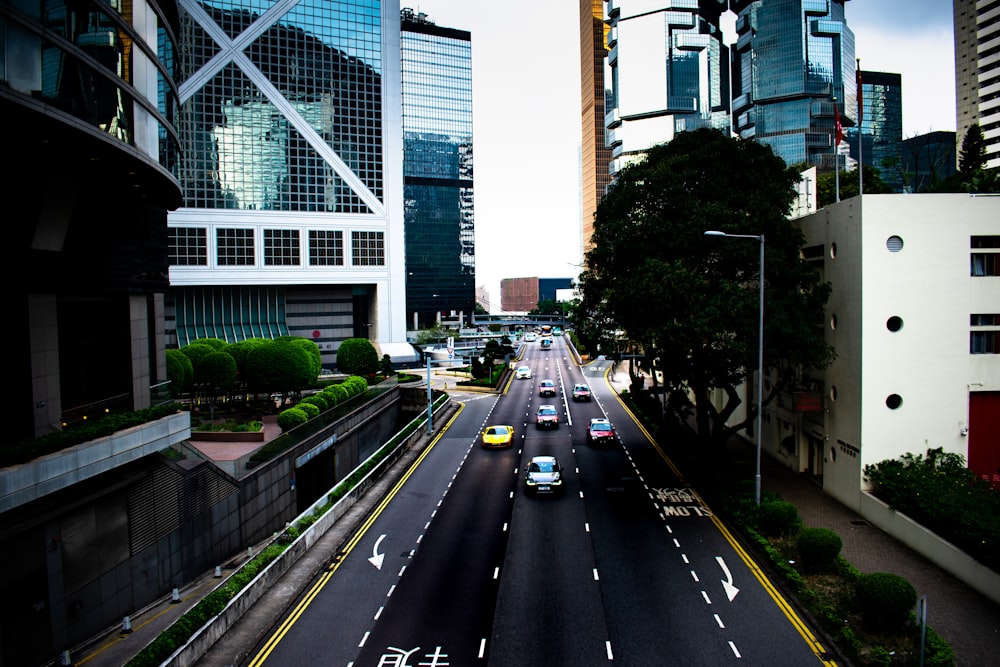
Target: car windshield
{"points": [[541, 466], [600, 427], [496, 430], [547, 383], [582, 387], [546, 411]]}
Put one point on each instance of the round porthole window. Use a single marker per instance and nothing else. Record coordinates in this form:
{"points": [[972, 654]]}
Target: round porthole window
{"points": [[894, 243], [833, 251], [894, 323], [893, 401]]}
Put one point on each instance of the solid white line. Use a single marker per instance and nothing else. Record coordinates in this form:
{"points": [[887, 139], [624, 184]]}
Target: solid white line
{"points": [[607, 648], [496, 573], [586, 526], [401, 571], [596, 578], [482, 647]]}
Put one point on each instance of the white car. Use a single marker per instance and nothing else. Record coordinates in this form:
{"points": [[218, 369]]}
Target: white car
{"points": [[530, 337], [523, 373]]}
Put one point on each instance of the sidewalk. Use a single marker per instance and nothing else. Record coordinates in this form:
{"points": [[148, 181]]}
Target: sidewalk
{"points": [[966, 619]]}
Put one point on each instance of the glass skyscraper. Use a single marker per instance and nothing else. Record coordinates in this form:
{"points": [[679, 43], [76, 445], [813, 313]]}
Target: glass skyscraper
{"points": [[437, 170], [292, 220], [667, 72], [881, 127], [792, 59]]}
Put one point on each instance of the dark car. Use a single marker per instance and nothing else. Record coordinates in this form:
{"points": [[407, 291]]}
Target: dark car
{"points": [[543, 475], [546, 388], [581, 392], [547, 417], [600, 433]]}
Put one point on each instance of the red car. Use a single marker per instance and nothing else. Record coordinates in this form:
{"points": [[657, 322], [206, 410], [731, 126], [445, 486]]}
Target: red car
{"points": [[600, 433], [546, 388], [547, 417]]}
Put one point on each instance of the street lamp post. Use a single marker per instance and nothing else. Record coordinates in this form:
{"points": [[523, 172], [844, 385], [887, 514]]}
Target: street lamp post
{"points": [[760, 351]]}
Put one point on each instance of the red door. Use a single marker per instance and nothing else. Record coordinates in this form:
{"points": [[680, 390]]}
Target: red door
{"points": [[984, 435]]}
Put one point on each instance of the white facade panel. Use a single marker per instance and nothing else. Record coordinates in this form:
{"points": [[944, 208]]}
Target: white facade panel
{"points": [[642, 66], [927, 284]]}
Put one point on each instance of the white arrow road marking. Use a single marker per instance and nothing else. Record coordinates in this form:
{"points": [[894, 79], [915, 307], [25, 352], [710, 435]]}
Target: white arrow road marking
{"points": [[377, 558], [727, 583]]}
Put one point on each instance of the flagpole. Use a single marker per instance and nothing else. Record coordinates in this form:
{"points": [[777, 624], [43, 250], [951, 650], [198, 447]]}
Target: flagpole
{"points": [[836, 147], [861, 141]]}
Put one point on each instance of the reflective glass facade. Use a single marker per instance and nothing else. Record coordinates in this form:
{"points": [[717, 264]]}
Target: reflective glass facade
{"points": [[253, 122], [881, 127], [792, 59], [291, 172], [667, 72], [437, 170]]}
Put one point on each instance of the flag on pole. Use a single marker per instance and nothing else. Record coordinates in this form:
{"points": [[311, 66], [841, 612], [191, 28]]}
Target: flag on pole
{"points": [[861, 134], [839, 128]]}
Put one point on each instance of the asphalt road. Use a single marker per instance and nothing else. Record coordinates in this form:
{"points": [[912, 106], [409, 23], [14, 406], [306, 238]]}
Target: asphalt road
{"points": [[459, 566]]}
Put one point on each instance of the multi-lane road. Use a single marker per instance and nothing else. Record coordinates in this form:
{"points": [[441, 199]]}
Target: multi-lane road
{"points": [[459, 566]]}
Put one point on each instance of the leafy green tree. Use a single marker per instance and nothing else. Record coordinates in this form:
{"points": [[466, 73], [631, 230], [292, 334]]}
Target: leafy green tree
{"points": [[279, 365], [215, 373], [549, 307], [312, 349], [692, 301], [357, 356], [180, 372]]}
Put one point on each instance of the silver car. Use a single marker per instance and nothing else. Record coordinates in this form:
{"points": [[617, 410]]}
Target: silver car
{"points": [[543, 475]]}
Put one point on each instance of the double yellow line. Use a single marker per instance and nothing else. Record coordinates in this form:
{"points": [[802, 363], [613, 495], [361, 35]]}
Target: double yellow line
{"points": [[303, 604]]}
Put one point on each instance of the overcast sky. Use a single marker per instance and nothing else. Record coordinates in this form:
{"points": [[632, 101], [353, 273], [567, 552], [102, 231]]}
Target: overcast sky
{"points": [[526, 115]]}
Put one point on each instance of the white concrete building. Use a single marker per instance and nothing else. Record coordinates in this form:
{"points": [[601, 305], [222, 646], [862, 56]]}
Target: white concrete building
{"points": [[914, 318]]}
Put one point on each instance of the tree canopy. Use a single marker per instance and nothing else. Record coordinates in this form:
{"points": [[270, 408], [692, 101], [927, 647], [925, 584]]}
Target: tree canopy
{"points": [[690, 301]]}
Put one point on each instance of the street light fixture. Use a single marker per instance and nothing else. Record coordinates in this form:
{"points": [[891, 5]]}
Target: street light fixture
{"points": [[760, 351]]}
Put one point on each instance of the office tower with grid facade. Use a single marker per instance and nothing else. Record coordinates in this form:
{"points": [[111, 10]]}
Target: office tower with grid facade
{"points": [[977, 72], [791, 59], [292, 221], [437, 171]]}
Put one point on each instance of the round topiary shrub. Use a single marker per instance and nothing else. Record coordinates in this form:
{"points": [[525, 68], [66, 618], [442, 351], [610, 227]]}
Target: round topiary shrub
{"points": [[777, 517], [818, 548], [319, 400], [292, 417], [357, 356], [308, 408], [885, 600]]}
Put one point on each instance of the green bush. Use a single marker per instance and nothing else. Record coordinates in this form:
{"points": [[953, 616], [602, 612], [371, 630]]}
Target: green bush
{"points": [[357, 356], [310, 409], [180, 372], [885, 600], [319, 400], [777, 517], [292, 417], [818, 548]]}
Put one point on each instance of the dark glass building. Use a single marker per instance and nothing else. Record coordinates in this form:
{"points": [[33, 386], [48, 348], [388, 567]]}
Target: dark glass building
{"points": [[881, 127], [791, 60], [437, 170], [89, 98], [928, 159]]}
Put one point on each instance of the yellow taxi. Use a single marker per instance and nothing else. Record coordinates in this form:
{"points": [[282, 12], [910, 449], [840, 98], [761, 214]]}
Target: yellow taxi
{"points": [[498, 436]]}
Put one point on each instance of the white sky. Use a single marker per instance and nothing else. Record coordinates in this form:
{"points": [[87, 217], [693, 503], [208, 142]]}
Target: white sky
{"points": [[526, 115]]}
